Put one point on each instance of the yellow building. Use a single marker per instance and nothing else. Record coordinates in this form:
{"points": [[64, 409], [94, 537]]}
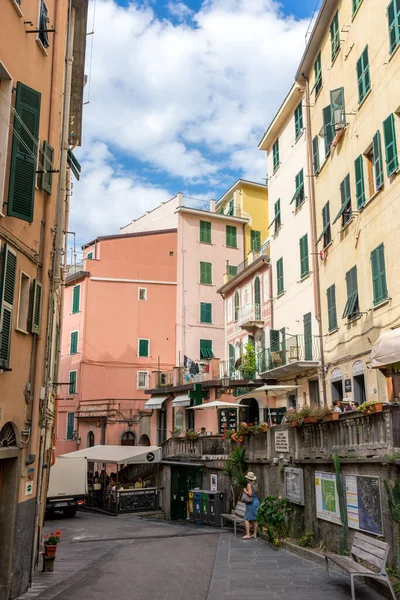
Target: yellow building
{"points": [[248, 199], [350, 73]]}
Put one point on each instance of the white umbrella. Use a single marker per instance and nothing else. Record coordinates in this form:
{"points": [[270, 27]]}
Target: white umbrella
{"points": [[264, 390], [215, 404]]}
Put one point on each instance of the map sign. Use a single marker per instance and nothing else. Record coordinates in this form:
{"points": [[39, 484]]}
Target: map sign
{"points": [[327, 497], [363, 499], [294, 485]]}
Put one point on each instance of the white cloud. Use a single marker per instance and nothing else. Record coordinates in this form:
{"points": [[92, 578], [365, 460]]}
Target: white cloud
{"points": [[179, 10]]}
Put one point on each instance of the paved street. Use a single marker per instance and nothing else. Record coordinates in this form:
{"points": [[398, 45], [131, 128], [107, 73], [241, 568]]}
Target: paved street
{"points": [[102, 557]]}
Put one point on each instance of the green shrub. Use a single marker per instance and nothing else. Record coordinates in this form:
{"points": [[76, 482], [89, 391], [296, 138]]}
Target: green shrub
{"points": [[273, 516]]}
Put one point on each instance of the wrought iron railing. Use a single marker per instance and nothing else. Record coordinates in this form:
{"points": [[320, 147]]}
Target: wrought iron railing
{"points": [[294, 348], [251, 312], [254, 254]]}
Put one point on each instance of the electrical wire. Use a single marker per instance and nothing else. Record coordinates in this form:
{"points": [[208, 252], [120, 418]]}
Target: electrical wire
{"points": [[21, 141]]}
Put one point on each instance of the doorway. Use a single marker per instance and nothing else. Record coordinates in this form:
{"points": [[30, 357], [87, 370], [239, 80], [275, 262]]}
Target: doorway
{"points": [[8, 507], [249, 411], [359, 388], [162, 425], [337, 390], [313, 386], [183, 479]]}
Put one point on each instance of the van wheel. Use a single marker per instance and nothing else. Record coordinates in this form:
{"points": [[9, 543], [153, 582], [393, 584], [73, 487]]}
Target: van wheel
{"points": [[69, 512]]}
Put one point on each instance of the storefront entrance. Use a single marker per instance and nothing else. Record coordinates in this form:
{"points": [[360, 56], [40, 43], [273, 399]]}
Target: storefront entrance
{"points": [[183, 479], [249, 411]]}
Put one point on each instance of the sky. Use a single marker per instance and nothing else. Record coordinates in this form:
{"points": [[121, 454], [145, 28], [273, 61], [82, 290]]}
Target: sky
{"points": [[179, 94]]}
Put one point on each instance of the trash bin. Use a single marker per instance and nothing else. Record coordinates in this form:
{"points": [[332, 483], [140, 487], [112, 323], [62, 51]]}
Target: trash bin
{"points": [[191, 506], [198, 517], [216, 506], [205, 507]]}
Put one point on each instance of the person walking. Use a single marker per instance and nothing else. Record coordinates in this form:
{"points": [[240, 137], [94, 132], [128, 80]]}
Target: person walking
{"points": [[250, 515]]}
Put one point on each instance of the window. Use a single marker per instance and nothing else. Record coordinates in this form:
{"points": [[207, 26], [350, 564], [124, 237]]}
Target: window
{"points": [[338, 110], [76, 299], [315, 148], [8, 263], [205, 273], [326, 226], [328, 128], [351, 310], [90, 439], [72, 382], [318, 75], [299, 193], [363, 76], [359, 177], [231, 270], [355, 5], [275, 154], [345, 210], [379, 274], [335, 36], [143, 347], [70, 426], [205, 232], [279, 276], [389, 134], [90, 256], [332, 317], [277, 218], [142, 293], [231, 236], [231, 208], [142, 380], [128, 438], [73, 342], [304, 263], [237, 305], [36, 314], [298, 121], [393, 13], [255, 238], [308, 353], [46, 159], [44, 20], [377, 161], [23, 302], [206, 349], [205, 312]]}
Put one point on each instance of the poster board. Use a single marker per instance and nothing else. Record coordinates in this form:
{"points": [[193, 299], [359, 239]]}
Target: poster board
{"points": [[363, 503], [327, 497], [294, 485], [281, 440]]}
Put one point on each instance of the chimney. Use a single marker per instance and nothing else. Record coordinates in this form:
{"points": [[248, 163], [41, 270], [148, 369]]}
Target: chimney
{"points": [[212, 205], [179, 196]]}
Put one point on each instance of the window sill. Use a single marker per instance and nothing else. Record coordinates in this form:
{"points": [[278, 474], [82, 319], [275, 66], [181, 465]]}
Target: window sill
{"points": [[336, 55], [305, 276], [205, 323], [394, 52], [353, 319], [300, 135], [381, 303], [17, 8], [209, 284], [367, 95], [318, 93], [207, 243], [322, 165], [22, 331], [234, 247], [333, 331], [275, 234], [42, 48], [325, 248], [297, 208], [280, 295], [372, 197], [347, 224]]}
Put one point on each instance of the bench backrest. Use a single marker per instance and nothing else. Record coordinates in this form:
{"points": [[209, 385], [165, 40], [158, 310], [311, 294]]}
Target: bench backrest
{"points": [[240, 509], [370, 550]]}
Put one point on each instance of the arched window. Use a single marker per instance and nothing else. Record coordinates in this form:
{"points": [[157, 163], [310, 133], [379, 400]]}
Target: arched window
{"points": [[128, 438], [237, 305], [179, 420], [90, 440]]}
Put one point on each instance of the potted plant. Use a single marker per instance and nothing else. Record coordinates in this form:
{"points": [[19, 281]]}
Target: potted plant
{"points": [[260, 428], [322, 411], [51, 541], [293, 419], [236, 437], [191, 434], [228, 434], [243, 429], [176, 432], [307, 415], [248, 361], [370, 406]]}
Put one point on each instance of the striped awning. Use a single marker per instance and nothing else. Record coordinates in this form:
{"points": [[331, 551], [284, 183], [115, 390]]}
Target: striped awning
{"points": [[181, 400], [155, 402]]}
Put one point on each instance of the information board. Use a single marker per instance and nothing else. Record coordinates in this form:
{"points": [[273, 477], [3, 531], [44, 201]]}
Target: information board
{"points": [[327, 497], [364, 507], [281, 440], [294, 485]]}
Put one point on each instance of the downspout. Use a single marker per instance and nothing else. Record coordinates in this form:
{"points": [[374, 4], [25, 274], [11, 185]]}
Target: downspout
{"points": [[313, 231]]}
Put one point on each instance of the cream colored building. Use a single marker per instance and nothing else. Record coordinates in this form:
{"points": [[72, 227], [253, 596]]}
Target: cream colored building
{"points": [[351, 73]]}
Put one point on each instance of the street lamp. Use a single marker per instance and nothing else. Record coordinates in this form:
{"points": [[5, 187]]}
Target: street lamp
{"points": [[225, 383]]}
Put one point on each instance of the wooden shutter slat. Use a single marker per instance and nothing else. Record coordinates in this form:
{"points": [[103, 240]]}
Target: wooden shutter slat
{"points": [[377, 160], [7, 291], [47, 158], [37, 292]]}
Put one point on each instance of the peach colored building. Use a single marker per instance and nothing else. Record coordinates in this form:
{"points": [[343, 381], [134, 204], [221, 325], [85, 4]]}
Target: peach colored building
{"points": [[118, 339]]}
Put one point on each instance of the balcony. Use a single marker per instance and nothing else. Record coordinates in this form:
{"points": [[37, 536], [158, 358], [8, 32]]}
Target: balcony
{"points": [[250, 316], [252, 257], [198, 371], [290, 357]]}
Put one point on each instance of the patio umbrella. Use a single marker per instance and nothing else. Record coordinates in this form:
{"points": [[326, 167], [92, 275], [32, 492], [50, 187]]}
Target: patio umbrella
{"points": [[262, 393], [215, 404]]}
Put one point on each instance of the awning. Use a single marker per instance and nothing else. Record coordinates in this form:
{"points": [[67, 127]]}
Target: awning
{"points": [[181, 400], [155, 402], [120, 455], [215, 404], [386, 349]]}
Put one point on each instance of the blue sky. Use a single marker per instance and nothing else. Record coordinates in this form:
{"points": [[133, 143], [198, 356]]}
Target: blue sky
{"points": [[181, 92]]}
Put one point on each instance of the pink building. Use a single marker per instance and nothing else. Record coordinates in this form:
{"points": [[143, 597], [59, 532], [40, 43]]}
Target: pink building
{"points": [[118, 338]]}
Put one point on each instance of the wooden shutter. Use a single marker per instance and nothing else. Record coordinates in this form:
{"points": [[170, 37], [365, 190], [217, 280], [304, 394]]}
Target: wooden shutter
{"points": [[304, 265], [275, 154], [73, 345], [328, 128], [274, 340], [315, 146], [74, 164], [298, 121], [37, 292], [205, 312], [389, 134], [237, 305], [76, 297], [359, 176], [335, 36], [307, 337], [379, 274], [205, 232], [46, 158], [143, 347], [279, 275], [332, 318], [377, 160], [231, 233], [7, 288], [255, 237], [72, 382], [393, 14], [24, 154], [70, 425]]}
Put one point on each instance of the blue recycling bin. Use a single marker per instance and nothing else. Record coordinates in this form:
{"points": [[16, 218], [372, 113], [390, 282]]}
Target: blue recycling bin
{"points": [[198, 514]]}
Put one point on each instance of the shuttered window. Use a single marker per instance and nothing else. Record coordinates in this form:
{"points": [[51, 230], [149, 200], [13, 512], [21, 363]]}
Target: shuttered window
{"points": [[298, 121], [237, 305], [206, 349], [338, 110], [275, 155], [326, 226], [76, 299], [328, 128], [299, 192], [205, 232], [355, 5], [315, 148], [205, 312], [351, 309], [279, 276], [363, 76], [205, 272], [72, 382], [318, 74], [345, 210], [46, 158], [308, 353], [379, 274], [232, 270], [144, 347], [73, 342], [74, 164], [393, 14], [304, 263], [36, 316], [335, 36], [70, 425], [231, 236], [274, 344], [359, 176], [24, 153], [7, 290], [255, 240], [277, 211], [389, 134], [377, 161], [332, 316]]}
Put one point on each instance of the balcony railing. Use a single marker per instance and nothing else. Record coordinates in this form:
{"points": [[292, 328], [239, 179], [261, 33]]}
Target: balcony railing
{"points": [[196, 372], [252, 257], [251, 312], [295, 348]]}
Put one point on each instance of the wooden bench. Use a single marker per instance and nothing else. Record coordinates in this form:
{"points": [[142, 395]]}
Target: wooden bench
{"points": [[236, 517], [370, 551]]}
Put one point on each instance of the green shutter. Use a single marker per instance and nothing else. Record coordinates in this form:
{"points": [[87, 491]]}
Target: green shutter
{"points": [[279, 276], [355, 5], [299, 193], [359, 176], [379, 274], [205, 312], [73, 342], [308, 354], [255, 237], [237, 305], [205, 232], [232, 270], [275, 155], [363, 76], [298, 121], [351, 308], [70, 426], [37, 293], [231, 236], [143, 347], [76, 297], [72, 382], [315, 147], [393, 14], [232, 360], [21, 194], [46, 158], [338, 110], [274, 340], [304, 263], [332, 316], [74, 164], [335, 36], [317, 75], [345, 210], [389, 134], [377, 160], [7, 288], [328, 128], [205, 273], [231, 208], [326, 225], [206, 349], [276, 221]]}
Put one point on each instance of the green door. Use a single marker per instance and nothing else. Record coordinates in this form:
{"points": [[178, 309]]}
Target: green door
{"points": [[183, 479]]}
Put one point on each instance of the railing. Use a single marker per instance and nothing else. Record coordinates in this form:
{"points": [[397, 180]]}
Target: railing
{"points": [[201, 447], [251, 312], [199, 204], [123, 501], [252, 257], [198, 371], [294, 348], [227, 367]]}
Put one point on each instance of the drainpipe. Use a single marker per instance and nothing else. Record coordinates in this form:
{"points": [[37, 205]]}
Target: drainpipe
{"points": [[313, 230]]}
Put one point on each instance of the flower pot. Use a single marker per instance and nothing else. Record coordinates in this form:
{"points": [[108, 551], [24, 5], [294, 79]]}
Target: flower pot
{"points": [[293, 423], [377, 407], [328, 417], [50, 550], [310, 419], [335, 416], [237, 438]]}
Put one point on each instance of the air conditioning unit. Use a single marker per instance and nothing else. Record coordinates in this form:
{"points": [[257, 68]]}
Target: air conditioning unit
{"points": [[339, 119]]}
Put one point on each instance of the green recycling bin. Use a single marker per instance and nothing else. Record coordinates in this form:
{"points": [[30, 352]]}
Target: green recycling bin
{"points": [[205, 507], [197, 497]]}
